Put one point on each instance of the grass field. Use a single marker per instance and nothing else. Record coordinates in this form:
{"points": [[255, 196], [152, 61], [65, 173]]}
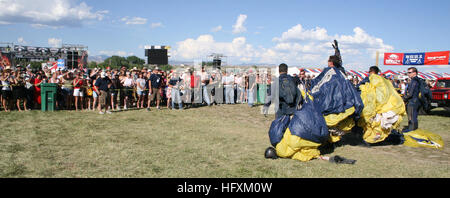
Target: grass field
{"points": [[220, 141]]}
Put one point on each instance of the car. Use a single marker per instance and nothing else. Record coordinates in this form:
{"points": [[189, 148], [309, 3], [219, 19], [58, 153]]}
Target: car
{"points": [[441, 93]]}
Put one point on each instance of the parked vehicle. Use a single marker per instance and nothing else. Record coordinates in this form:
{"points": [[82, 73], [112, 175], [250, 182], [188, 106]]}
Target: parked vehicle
{"points": [[441, 93]]}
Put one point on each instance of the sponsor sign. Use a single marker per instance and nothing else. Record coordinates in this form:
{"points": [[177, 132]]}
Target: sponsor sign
{"points": [[393, 58]]}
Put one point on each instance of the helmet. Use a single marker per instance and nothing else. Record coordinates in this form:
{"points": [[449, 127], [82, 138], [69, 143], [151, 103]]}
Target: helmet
{"points": [[270, 153]]}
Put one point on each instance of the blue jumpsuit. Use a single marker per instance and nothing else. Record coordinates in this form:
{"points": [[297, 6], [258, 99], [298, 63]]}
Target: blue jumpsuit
{"points": [[412, 98]]}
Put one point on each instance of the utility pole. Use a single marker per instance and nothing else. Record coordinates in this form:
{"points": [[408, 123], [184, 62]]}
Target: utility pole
{"points": [[378, 59]]}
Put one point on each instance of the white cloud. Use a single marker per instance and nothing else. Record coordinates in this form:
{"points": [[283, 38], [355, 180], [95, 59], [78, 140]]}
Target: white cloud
{"points": [[48, 12], [156, 25], [239, 27], [145, 46], [54, 42], [297, 33], [134, 20], [115, 53], [297, 46], [21, 41], [205, 45], [216, 29]]}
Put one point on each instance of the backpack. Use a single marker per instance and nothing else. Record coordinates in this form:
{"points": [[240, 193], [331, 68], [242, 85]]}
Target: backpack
{"points": [[425, 95], [287, 91]]}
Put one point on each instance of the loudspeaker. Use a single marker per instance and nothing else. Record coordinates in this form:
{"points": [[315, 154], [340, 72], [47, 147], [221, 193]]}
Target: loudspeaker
{"points": [[217, 62]]}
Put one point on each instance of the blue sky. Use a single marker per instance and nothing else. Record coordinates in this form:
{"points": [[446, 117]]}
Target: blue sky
{"points": [[263, 32]]}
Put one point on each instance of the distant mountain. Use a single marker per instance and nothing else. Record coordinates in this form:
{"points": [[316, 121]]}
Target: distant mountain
{"points": [[98, 58]]}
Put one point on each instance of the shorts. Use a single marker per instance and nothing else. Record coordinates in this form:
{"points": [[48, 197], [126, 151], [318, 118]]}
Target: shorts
{"points": [[103, 97], [155, 92], [18, 93], [77, 92], [94, 94], [6, 94], [140, 93], [128, 91]]}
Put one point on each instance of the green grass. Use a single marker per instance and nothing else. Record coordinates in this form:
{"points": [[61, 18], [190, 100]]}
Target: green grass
{"points": [[221, 141]]}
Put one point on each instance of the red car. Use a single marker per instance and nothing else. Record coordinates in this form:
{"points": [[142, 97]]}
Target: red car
{"points": [[441, 93]]}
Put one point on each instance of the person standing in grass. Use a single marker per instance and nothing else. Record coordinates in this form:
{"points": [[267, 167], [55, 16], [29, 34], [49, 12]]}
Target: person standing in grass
{"points": [[128, 84], [77, 91], [140, 89], [6, 81], [155, 88], [103, 84]]}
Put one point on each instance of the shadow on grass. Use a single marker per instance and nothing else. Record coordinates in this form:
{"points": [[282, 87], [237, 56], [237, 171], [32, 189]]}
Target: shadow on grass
{"points": [[439, 112], [355, 138]]}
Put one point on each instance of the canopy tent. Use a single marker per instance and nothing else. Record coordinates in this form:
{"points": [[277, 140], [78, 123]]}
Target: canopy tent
{"points": [[389, 73]]}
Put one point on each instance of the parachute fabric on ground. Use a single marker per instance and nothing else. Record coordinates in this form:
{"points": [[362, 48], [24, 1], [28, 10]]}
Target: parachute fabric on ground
{"points": [[423, 138], [277, 129], [382, 104], [309, 123], [292, 146], [332, 97]]}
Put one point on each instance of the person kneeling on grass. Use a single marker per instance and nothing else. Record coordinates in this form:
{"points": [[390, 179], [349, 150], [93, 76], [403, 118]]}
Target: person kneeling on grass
{"points": [[103, 84]]}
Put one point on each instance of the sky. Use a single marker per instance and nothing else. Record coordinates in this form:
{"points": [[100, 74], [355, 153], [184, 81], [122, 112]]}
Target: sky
{"points": [[298, 33]]}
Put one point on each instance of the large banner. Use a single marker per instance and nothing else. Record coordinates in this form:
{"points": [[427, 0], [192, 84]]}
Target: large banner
{"points": [[427, 58], [393, 58], [437, 58], [413, 58]]}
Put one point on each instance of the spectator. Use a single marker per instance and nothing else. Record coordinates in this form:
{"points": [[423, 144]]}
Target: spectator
{"points": [[77, 91], [140, 89], [19, 92], [128, 84], [115, 87], [228, 82], [176, 87], [37, 89], [6, 81], [155, 88], [103, 84]]}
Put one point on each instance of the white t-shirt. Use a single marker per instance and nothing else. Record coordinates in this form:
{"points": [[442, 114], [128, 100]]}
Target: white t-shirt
{"points": [[140, 82], [228, 80], [128, 82]]}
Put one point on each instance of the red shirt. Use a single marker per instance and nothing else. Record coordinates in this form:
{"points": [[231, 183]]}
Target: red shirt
{"points": [[78, 84]]}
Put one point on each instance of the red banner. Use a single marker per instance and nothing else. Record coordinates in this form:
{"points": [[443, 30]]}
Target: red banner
{"points": [[393, 58], [437, 58]]}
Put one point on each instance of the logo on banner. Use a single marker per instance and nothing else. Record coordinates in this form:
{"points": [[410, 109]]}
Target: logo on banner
{"points": [[414, 59], [393, 58], [437, 58], [61, 64]]}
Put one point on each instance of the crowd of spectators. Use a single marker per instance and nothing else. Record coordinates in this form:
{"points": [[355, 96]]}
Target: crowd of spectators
{"points": [[122, 89]]}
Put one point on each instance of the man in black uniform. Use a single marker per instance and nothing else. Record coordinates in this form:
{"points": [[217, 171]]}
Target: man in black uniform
{"points": [[412, 98], [289, 95], [336, 59]]}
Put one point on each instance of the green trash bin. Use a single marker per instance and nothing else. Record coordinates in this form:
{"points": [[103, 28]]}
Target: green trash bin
{"points": [[261, 94], [48, 96]]}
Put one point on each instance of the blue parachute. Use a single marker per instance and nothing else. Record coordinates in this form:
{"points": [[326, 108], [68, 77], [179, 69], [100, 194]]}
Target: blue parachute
{"points": [[332, 93]]}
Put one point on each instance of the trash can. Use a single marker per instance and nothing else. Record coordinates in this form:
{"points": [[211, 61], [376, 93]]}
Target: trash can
{"points": [[48, 96], [261, 94]]}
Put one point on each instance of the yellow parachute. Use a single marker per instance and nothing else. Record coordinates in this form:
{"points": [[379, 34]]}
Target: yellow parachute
{"points": [[423, 138], [294, 147], [383, 110]]}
